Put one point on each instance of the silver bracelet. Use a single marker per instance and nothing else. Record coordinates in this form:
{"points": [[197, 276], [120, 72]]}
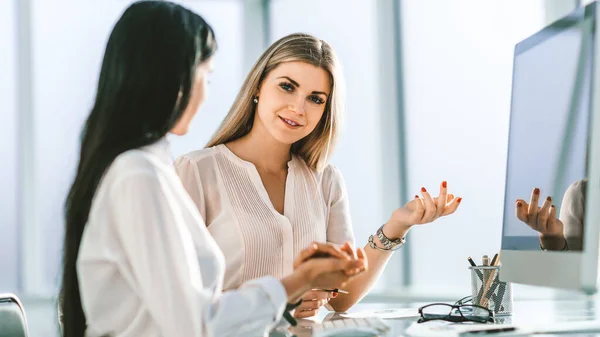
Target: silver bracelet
{"points": [[389, 245]]}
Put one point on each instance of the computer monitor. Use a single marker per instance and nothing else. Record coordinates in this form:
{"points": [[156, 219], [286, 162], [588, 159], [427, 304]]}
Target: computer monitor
{"points": [[554, 145]]}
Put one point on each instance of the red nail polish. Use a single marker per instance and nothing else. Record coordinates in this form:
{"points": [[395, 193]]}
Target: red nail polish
{"points": [[536, 191], [459, 200], [552, 206], [416, 196], [519, 204], [444, 184], [335, 294], [549, 199], [423, 190]]}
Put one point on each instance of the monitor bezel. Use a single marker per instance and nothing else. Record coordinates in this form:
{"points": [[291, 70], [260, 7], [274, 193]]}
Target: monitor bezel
{"points": [[560, 269]]}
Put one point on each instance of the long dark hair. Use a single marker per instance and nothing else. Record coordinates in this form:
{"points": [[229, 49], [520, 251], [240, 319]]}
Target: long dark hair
{"points": [[144, 87]]}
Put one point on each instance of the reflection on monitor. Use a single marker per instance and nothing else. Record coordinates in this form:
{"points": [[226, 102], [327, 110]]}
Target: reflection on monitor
{"points": [[547, 148], [550, 233]]}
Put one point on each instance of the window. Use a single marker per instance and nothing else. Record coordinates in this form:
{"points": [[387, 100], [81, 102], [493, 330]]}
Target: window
{"points": [[457, 81], [68, 44], [9, 227]]}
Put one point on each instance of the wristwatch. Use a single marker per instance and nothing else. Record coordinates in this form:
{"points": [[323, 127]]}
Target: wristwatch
{"points": [[388, 245], [565, 248]]}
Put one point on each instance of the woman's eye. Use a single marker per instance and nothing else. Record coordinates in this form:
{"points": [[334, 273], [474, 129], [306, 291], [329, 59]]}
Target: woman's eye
{"points": [[286, 86], [316, 99]]}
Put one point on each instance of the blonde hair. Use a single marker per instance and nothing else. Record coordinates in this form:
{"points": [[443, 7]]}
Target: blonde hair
{"points": [[315, 148]]}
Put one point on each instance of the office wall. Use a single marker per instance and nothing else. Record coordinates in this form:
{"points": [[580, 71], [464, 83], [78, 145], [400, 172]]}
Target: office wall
{"points": [[457, 80], [68, 40], [8, 149]]}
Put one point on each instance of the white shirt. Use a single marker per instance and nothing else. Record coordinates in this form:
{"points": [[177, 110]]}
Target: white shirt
{"points": [[148, 266], [572, 213], [255, 238]]}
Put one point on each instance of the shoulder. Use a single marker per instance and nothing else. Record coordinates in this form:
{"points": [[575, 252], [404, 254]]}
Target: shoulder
{"points": [[331, 174], [327, 176], [327, 173], [135, 162], [577, 189], [137, 167], [330, 178], [199, 166], [133, 171], [200, 159], [199, 155]]}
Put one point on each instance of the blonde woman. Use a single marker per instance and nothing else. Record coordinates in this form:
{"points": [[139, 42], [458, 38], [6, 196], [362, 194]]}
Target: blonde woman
{"points": [[264, 185]]}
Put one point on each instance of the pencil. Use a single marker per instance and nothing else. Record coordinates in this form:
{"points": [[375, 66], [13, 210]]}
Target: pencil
{"points": [[489, 282]]}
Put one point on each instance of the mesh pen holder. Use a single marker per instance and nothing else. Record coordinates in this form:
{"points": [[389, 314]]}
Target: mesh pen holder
{"points": [[489, 292]]}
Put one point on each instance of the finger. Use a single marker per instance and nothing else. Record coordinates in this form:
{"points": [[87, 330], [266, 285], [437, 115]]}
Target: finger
{"points": [[354, 267], [362, 256], [552, 212], [521, 211], [331, 265], [305, 254], [449, 198], [321, 249], [441, 199], [419, 210], [332, 250], [543, 214], [430, 208], [352, 252], [451, 208], [305, 313], [348, 249], [316, 295], [310, 305], [533, 205], [554, 225], [305, 305]]}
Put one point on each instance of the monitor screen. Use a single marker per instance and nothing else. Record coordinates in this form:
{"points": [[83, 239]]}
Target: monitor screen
{"points": [[548, 139]]}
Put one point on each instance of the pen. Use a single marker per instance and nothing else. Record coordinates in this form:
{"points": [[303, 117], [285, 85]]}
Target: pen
{"points": [[288, 317], [498, 299], [477, 271], [494, 259], [335, 291], [286, 313]]}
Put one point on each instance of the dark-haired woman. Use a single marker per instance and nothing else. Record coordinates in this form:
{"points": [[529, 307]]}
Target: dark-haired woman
{"points": [[138, 259]]}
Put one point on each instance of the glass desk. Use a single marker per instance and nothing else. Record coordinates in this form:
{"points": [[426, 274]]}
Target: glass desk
{"points": [[525, 312]]}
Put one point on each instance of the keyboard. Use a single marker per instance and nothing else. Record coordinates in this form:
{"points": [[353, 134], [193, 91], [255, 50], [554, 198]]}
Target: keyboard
{"points": [[348, 326]]}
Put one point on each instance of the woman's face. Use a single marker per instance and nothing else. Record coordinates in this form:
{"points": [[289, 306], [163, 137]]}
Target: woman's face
{"points": [[291, 100], [198, 94]]}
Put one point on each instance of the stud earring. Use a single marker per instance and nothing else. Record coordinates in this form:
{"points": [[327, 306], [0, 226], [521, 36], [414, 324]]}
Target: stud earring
{"points": [[255, 100]]}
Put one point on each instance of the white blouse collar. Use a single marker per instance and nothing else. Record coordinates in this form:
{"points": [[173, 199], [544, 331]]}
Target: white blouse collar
{"points": [[161, 149], [224, 149]]}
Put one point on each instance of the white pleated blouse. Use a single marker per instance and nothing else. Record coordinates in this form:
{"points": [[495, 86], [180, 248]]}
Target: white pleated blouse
{"points": [[255, 238]]}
